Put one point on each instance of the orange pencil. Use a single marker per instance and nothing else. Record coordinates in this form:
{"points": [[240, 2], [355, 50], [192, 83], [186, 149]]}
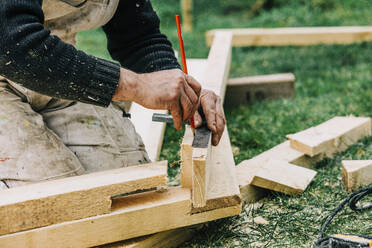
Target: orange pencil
{"points": [[183, 56]]}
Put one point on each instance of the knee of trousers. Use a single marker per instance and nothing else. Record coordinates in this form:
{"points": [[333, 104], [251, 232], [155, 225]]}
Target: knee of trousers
{"points": [[29, 151]]}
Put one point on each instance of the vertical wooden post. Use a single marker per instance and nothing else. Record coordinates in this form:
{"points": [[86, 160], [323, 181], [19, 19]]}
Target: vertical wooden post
{"points": [[186, 6]]}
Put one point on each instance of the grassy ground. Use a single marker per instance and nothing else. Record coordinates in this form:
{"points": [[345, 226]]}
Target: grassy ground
{"points": [[331, 80]]}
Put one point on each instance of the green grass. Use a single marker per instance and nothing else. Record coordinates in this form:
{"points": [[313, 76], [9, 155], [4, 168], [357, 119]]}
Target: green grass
{"points": [[331, 80]]}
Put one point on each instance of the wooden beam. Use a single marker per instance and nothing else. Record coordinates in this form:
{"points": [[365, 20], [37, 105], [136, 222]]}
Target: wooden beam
{"points": [[152, 133], [332, 136], [356, 173], [222, 188], [131, 216], [247, 169], [299, 36], [218, 64], [72, 198], [201, 166], [186, 158], [246, 89], [186, 6], [281, 176]]}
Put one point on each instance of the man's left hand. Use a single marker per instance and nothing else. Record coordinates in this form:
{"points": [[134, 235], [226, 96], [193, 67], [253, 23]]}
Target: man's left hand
{"points": [[212, 108]]}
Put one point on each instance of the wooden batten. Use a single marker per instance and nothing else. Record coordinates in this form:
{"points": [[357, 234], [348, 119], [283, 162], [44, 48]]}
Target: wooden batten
{"points": [[332, 136], [298, 36], [356, 173], [247, 89], [247, 169], [73, 198], [281, 176]]}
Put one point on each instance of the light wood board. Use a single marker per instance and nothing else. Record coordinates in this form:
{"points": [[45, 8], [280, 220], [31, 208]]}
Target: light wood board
{"points": [[244, 90], [281, 176], [247, 169], [72, 198], [298, 36], [332, 136], [356, 173], [131, 216]]}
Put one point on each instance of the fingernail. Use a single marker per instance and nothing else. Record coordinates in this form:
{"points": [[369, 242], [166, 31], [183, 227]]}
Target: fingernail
{"points": [[196, 123]]}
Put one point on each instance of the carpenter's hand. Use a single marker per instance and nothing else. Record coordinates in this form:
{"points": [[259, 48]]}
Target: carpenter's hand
{"points": [[169, 89], [213, 112]]}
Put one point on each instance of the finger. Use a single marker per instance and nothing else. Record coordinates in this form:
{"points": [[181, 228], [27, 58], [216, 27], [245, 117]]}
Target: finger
{"points": [[177, 117], [197, 119], [215, 139], [209, 109], [194, 99], [187, 106], [194, 84], [220, 117]]}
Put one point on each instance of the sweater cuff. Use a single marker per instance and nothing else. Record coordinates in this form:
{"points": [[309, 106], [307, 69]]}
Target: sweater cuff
{"points": [[103, 83]]}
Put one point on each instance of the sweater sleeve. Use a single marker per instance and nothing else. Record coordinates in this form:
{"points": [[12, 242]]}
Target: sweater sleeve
{"points": [[37, 60], [135, 40]]}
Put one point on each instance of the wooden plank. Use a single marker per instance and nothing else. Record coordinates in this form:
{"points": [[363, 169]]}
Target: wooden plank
{"points": [[218, 65], [246, 89], [131, 216], [332, 136], [186, 6], [186, 158], [247, 169], [222, 184], [298, 36], [356, 173], [56, 201], [152, 133], [281, 176], [201, 164]]}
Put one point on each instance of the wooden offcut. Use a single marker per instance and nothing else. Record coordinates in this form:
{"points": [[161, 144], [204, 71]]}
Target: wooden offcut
{"points": [[244, 90], [201, 166], [247, 169], [281, 176], [131, 216], [356, 173], [332, 136], [73, 198], [298, 36]]}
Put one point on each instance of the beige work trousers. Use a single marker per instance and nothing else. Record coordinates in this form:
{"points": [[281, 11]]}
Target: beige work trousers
{"points": [[43, 138]]}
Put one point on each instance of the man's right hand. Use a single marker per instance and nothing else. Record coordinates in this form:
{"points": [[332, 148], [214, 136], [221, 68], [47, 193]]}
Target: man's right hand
{"points": [[169, 89]]}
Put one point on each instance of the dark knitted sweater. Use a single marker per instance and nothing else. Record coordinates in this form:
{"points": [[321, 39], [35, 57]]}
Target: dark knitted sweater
{"points": [[32, 57]]}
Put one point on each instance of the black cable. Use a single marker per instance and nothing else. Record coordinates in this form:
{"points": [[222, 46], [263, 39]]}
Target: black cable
{"points": [[352, 199]]}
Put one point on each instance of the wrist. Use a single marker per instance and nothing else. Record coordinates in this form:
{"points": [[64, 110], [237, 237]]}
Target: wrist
{"points": [[127, 86]]}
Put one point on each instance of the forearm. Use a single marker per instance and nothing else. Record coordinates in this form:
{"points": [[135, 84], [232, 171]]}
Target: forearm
{"points": [[134, 38], [30, 56]]}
